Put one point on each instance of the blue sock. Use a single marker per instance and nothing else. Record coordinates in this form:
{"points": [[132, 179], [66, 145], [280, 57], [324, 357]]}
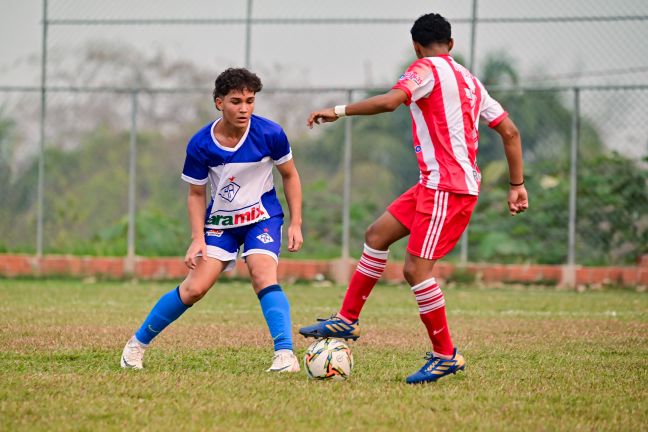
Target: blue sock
{"points": [[276, 311], [166, 310]]}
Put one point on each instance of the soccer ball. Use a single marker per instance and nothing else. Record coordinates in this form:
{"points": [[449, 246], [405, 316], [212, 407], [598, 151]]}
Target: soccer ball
{"points": [[328, 359]]}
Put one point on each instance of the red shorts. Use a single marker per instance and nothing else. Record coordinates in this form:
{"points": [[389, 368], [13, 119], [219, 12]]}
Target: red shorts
{"points": [[435, 219]]}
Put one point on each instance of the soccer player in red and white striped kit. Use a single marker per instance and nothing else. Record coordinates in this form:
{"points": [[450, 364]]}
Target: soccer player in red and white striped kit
{"points": [[446, 103]]}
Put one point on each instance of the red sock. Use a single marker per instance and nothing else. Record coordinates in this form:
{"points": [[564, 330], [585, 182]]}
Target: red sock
{"points": [[369, 269], [432, 310]]}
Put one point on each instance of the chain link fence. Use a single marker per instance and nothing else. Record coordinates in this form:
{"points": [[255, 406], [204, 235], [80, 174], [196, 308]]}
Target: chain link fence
{"points": [[119, 115]]}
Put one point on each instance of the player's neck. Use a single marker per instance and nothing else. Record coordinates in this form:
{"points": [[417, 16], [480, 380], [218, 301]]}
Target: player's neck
{"points": [[227, 133], [435, 51]]}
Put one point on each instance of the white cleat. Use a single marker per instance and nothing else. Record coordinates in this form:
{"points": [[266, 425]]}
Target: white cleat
{"points": [[133, 354], [284, 361]]}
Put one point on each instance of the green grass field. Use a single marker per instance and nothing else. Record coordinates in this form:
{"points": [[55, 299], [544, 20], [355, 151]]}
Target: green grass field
{"points": [[538, 359]]}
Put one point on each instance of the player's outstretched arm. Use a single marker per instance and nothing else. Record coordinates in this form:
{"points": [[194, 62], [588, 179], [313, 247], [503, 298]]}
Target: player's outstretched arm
{"points": [[374, 105], [293, 192], [196, 208], [518, 200]]}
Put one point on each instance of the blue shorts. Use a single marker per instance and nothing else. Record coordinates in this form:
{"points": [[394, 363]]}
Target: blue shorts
{"points": [[263, 237]]}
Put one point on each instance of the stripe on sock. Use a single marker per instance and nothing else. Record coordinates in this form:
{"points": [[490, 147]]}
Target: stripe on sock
{"points": [[428, 295], [370, 269], [425, 284], [372, 262], [374, 253], [267, 290], [432, 307]]}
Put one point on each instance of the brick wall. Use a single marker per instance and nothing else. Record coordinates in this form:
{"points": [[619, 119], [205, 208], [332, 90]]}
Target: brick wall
{"points": [[174, 268]]}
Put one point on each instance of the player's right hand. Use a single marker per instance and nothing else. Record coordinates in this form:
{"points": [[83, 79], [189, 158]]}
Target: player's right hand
{"points": [[323, 116], [197, 247]]}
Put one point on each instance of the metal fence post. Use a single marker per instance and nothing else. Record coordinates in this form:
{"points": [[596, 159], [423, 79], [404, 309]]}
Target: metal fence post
{"points": [[340, 269], [463, 257], [132, 187], [248, 33], [346, 189], [41, 155], [569, 274]]}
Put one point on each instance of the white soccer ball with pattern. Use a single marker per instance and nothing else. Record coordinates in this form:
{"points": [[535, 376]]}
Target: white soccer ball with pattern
{"points": [[328, 359]]}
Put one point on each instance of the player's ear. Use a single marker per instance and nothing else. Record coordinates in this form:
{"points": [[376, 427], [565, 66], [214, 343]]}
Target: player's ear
{"points": [[417, 49], [218, 102], [450, 44]]}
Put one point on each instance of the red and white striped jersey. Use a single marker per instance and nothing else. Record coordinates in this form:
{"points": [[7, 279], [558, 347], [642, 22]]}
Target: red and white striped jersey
{"points": [[446, 101]]}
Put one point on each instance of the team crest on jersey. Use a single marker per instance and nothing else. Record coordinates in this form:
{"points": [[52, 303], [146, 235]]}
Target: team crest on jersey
{"points": [[229, 192], [265, 238], [417, 149], [412, 76]]}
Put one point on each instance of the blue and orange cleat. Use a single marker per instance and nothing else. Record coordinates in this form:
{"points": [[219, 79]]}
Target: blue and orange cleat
{"points": [[436, 368], [333, 327]]}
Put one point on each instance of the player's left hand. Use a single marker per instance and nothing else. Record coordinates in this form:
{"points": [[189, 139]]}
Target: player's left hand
{"points": [[518, 200], [323, 116], [295, 239]]}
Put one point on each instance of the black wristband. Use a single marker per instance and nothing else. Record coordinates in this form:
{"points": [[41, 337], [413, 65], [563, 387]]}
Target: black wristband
{"points": [[517, 184]]}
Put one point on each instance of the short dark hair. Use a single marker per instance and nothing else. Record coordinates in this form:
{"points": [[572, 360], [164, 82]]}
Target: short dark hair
{"points": [[431, 28], [236, 79]]}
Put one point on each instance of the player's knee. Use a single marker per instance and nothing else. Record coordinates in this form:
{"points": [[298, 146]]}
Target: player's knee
{"points": [[261, 278], [412, 274], [191, 292], [374, 239]]}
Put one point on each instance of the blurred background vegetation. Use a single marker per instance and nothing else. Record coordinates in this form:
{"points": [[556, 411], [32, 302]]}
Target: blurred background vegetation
{"points": [[87, 176]]}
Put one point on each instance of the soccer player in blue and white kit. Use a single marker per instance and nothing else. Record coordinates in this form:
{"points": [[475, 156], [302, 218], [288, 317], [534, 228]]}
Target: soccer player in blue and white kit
{"points": [[235, 154]]}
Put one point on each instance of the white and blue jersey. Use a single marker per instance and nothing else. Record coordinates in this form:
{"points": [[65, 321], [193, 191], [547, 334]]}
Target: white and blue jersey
{"points": [[244, 209], [242, 189]]}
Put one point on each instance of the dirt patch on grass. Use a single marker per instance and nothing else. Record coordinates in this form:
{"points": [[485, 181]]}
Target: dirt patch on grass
{"points": [[471, 332], [468, 333], [33, 338]]}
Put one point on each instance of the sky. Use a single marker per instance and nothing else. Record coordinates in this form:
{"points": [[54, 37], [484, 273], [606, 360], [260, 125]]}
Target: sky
{"points": [[340, 54]]}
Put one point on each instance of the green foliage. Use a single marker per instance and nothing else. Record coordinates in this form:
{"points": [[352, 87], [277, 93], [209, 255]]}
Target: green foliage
{"points": [[612, 226], [322, 219], [539, 235], [157, 234], [15, 197], [611, 210], [86, 188], [86, 198], [385, 166]]}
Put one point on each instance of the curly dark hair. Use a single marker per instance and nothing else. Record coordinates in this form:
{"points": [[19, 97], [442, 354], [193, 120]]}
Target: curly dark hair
{"points": [[431, 28], [236, 79]]}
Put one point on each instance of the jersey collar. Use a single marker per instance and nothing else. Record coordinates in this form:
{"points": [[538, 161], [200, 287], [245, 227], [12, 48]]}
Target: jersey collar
{"points": [[238, 144]]}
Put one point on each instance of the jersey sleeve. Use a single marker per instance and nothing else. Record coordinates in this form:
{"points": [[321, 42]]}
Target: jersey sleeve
{"points": [[280, 148], [195, 170], [417, 81], [491, 110]]}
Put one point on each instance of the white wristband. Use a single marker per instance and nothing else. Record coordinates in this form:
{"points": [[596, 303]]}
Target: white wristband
{"points": [[340, 110]]}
